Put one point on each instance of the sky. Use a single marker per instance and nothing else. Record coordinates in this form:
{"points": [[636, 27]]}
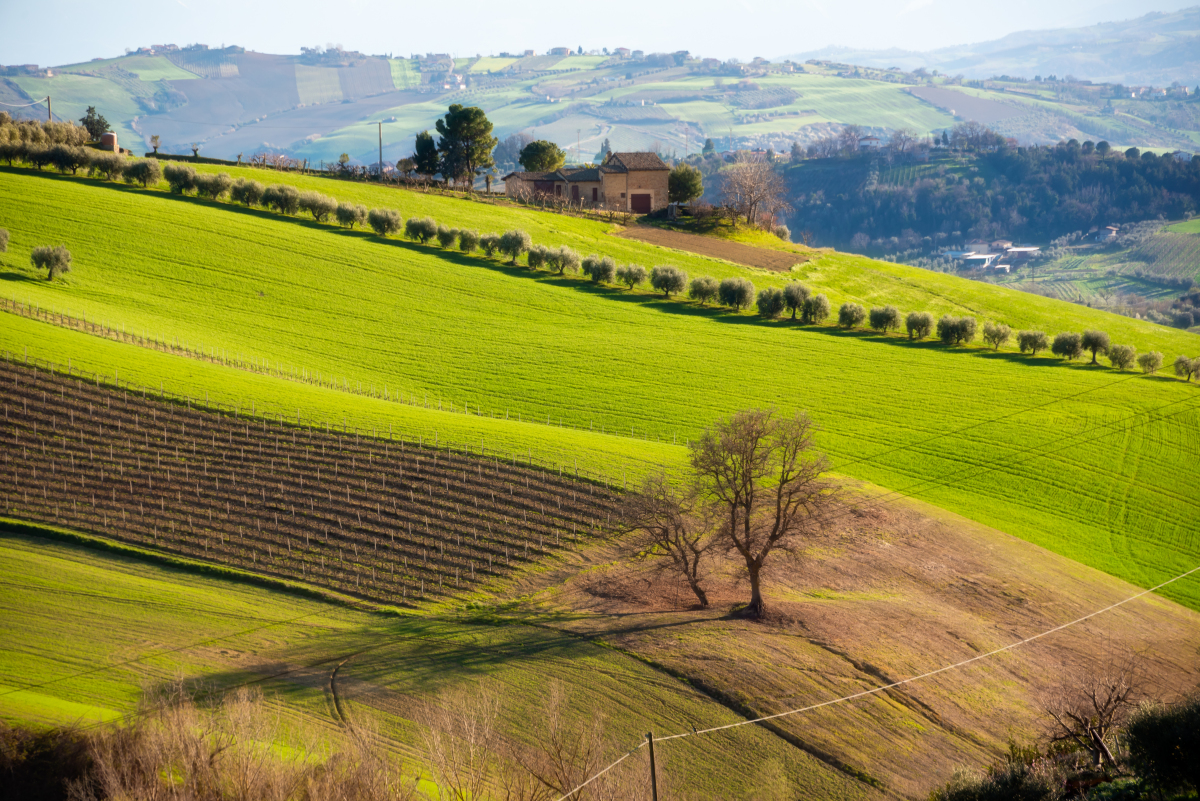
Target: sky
{"points": [[56, 32]]}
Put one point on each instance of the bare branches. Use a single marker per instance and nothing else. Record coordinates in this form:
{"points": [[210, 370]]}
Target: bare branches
{"points": [[669, 527], [1088, 710], [753, 189], [461, 739]]}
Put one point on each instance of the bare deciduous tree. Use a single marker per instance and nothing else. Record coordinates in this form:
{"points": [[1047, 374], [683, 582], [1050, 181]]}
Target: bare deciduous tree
{"points": [[669, 528], [461, 738], [753, 189], [1088, 710], [760, 473]]}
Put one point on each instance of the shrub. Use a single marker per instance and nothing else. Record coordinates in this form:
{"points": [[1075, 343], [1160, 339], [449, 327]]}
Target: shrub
{"points": [[446, 237], [996, 334], [918, 324], [667, 279], [885, 319], [1032, 341], [565, 260], [815, 311], [1096, 342], [537, 257], [1163, 744], [213, 186], [248, 192], [422, 229], [770, 302], [1150, 362], [384, 221], [1122, 357], [351, 214], [703, 289], [794, 294], [144, 172], [180, 177], [110, 165], [851, 315], [321, 207], [1067, 345], [281, 197], [56, 260], [1185, 368], [956, 330], [631, 275], [3, 240], [468, 241], [1014, 781], [783, 232], [514, 243], [490, 244], [736, 292]]}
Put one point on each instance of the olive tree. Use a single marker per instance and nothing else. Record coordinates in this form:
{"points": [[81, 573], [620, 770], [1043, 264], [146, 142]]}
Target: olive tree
{"points": [[1186, 368], [794, 295], [996, 334], [144, 172], [468, 240], [213, 186], [446, 237], [631, 275], [56, 261], [538, 255], [1122, 357], [514, 243], [321, 207], [918, 324], [667, 279], [703, 289], [885, 319], [283, 198], [669, 527], [851, 315], [490, 244], [600, 270], [1096, 342], [3, 240], [1068, 345], [956, 330], [760, 475], [180, 178], [736, 292], [110, 165], [246, 191], [1150, 362], [1032, 341], [384, 221], [770, 302], [565, 260], [68, 158], [816, 310], [351, 214], [422, 229]]}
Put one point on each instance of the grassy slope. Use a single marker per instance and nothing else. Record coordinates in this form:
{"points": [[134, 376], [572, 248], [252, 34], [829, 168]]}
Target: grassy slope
{"points": [[83, 609], [1113, 495]]}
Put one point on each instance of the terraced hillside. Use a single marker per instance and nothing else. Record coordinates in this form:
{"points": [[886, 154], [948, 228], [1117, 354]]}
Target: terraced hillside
{"points": [[393, 521]]}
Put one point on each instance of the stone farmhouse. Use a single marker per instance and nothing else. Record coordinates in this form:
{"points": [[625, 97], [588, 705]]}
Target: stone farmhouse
{"points": [[635, 182]]}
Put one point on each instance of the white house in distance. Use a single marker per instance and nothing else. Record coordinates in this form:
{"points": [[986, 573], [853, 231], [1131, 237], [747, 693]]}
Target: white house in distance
{"points": [[870, 143], [998, 255]]}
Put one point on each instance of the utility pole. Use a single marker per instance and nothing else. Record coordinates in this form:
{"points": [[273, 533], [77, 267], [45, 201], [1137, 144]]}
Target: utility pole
{"points": [[578, 147], [381, 152], [49, 115], [653, 775]]}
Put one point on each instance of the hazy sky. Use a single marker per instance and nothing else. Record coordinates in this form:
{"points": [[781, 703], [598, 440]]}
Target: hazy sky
{"points": [[51, 32]]}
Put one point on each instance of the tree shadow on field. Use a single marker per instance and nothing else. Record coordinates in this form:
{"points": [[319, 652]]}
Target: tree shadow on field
{"points": [[15, 276]]}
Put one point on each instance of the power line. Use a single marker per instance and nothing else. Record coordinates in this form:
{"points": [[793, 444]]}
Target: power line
{"points": [[894, 684], [26, 105]]}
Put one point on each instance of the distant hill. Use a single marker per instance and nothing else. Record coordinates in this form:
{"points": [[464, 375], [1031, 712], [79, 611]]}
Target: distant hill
{"points": [[1157, 49]]}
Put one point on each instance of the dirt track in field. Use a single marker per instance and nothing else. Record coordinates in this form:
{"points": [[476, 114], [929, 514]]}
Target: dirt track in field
{"points": [[776, 260]]}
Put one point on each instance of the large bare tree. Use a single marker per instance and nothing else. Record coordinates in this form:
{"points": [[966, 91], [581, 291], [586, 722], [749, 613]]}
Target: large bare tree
{"points": [[752, 189], [759, 470], [1088, 710], [670, 530]]}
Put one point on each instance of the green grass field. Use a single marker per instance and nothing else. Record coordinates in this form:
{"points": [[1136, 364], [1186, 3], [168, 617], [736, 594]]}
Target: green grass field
{"points": [[1189, 227], [1087, 462]]}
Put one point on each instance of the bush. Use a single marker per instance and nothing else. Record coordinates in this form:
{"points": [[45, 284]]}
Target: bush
{"points": [[956, 330], [180, 177], [1122, 357], [1096, 342], [770, 302], [281, 197], [56, 260], [514, 243], [490, 244], [248, 192], [421, 229], [446, 237], [213, 186], [996, 334], [918, 324], [110, 165], [538, 254], [783, 232], [468, 241], [703, 289], [351, 214], [1032, 341], [1163, 745], [1185, 368], [1040, 781], [384, 221], [794, 294], [3, 240], [667, 279], [144, 172], [816, 310], [631, 275], [851, 315], [736, 292], [321, 207], [1150, 362], [885, 319], [1067, 345]]}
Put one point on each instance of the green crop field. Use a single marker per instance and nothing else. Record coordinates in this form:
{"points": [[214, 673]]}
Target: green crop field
{"points": [[135, 625], [1085, 461], [1189, 227]]}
